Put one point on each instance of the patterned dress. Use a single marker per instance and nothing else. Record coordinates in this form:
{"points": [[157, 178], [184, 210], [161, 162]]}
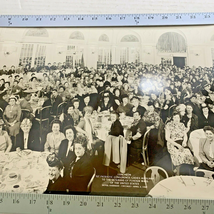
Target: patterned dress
{"points": [[177, 132]]}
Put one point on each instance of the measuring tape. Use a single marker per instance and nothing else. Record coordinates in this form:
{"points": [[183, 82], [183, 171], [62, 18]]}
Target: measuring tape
{"points": [[55, 204], [103, 20]]}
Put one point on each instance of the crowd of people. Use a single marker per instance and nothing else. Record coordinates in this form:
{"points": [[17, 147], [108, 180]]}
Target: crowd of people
{"points": [[169, 101]]}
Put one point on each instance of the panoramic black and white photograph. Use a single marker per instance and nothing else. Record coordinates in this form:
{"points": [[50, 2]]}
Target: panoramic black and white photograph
{"points": [[107, 111]]}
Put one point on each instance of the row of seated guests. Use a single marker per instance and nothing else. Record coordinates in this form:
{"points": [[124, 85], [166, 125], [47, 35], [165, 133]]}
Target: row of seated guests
{"points": [[73, 159]]}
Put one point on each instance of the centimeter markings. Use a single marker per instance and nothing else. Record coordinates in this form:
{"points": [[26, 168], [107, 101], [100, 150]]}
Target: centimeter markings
{"points": [[31, 203], [102, 20]]}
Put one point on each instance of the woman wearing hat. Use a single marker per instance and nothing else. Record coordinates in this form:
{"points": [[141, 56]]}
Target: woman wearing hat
{"points": [[12, 115], [56, 182], [5, 141]]}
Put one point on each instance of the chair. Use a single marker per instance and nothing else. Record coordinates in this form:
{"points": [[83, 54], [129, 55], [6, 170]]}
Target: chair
{"points": [[43, 117], [61, 108], [1, 112], [145, 148], [91, 181], [204, 173], [157, 174], [171, 109]]}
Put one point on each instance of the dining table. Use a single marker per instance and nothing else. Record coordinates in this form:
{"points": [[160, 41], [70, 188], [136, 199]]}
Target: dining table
{"points": [[186, 187], [23, 171]]}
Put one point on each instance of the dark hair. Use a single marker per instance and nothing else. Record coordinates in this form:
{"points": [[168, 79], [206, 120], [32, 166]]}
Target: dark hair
{"points": [[81, 139], [135, 97], [208, 128], [176, 113], [53, 161], [73, 129], [56, 121]]}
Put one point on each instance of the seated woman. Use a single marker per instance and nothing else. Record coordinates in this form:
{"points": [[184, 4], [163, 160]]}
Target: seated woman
{"points": [[66, 148], [11, 116], [176, 137], [81, 169], [5, 141], [56, 183], [112, 144], [27, 138], [105, 103], [85, 127], [206, 149], [54, 138], [67, 118]]}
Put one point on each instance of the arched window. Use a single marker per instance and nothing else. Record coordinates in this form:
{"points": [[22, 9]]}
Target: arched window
{"points": [[104, 38], [40, 32], [130, 49], [171, 42], [77, 35], [33, 54], [129, 38]]}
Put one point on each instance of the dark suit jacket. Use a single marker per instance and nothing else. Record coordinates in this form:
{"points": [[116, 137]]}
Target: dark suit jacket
{"points": [[33, 140], [66, 160], [81, 172], [59, 186]]}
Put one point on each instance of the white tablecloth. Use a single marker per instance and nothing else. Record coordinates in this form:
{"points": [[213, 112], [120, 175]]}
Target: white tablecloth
{"points": [[23, 173], [184, 187]]}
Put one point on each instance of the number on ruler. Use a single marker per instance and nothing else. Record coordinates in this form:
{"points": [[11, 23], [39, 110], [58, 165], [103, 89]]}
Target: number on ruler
{"points": [[135, 205], [49, 202], [99, 204], [178, 17], [164, 17], [25, 19], [151, 17], [32, 201], [66, 19], [169, 206], [15, 201], [205, 207], [108, 18], [38, 19], [52, 19], [206, 16], [117, 204], [187, 207], [66, 203], [122, 17], [152, 206], [83, 203], [94, 18], [80, 18], [192, 17]]}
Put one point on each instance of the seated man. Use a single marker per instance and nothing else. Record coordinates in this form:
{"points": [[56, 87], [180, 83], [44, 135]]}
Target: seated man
{"points": [[27, 138]]}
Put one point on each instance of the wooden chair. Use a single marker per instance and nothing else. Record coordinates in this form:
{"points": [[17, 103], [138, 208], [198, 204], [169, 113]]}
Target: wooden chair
{"points": [[91, 181], [27, 114], [204, 173], [157, 174], [145, 148]]}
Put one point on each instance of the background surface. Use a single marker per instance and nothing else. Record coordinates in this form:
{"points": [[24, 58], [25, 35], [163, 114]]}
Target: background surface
{"points": [[104, 6]]}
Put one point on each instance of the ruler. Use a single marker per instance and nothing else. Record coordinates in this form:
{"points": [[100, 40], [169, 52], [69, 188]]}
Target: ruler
{"points": [[102, 20], [13, 203]]}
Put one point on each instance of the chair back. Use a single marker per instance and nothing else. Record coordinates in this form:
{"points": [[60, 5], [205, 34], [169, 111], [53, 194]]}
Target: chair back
{"points": [[1, 113], [204, 173], [145, 148], [91, 181], [153, 175], [61, 108], [44, 112]]}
